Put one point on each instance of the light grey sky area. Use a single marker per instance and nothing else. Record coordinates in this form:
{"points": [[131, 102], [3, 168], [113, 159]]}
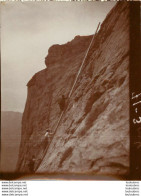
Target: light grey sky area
{"points": [[28, 30]]}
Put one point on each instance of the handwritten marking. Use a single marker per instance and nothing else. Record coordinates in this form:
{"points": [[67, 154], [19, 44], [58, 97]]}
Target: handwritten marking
{"points": [[137, 103], [136, 96], [137, 121]]}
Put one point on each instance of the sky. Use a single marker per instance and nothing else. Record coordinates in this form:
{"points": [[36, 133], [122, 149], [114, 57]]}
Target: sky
{"points": [[28, 30]]}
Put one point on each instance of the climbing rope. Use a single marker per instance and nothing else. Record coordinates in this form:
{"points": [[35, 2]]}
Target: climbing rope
{"points": [[83, 62], [79, 71]]}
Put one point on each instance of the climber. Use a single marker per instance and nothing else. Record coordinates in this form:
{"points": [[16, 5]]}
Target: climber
{"points": [[47, 132], [62, 103], [47, 137], [31, 164]]}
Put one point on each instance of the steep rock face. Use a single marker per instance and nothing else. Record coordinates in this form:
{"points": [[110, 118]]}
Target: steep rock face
{"points": [[93, 135]]}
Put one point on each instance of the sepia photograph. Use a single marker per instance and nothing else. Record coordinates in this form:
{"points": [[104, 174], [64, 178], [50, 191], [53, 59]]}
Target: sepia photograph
{"points": [[67, 77]]}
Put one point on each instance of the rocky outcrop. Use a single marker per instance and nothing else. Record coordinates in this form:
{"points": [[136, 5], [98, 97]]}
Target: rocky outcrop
{"points": [[93, 135]]}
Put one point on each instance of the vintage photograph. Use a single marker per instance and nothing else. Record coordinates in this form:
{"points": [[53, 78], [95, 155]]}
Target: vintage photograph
{"points": [[65, 89]]}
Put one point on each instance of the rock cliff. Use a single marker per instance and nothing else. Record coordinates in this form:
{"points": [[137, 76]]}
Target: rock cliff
{"points": [[93, 135]]}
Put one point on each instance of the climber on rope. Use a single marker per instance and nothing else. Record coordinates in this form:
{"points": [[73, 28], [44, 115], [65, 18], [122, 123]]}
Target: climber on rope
{"points": [[47, 132], [47, 137], [31, 164], [62, 103]]}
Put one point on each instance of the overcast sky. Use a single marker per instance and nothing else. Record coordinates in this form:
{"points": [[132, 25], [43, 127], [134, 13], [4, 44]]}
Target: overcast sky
{"points": [[29, 29]]}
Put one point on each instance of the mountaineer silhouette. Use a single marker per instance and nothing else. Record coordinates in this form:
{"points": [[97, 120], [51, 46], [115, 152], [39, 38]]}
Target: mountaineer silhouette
{"points": [[62, 103]]}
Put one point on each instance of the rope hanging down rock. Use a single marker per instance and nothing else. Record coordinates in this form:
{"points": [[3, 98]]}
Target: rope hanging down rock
{"points": [[83, 62], [61, 115]]}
